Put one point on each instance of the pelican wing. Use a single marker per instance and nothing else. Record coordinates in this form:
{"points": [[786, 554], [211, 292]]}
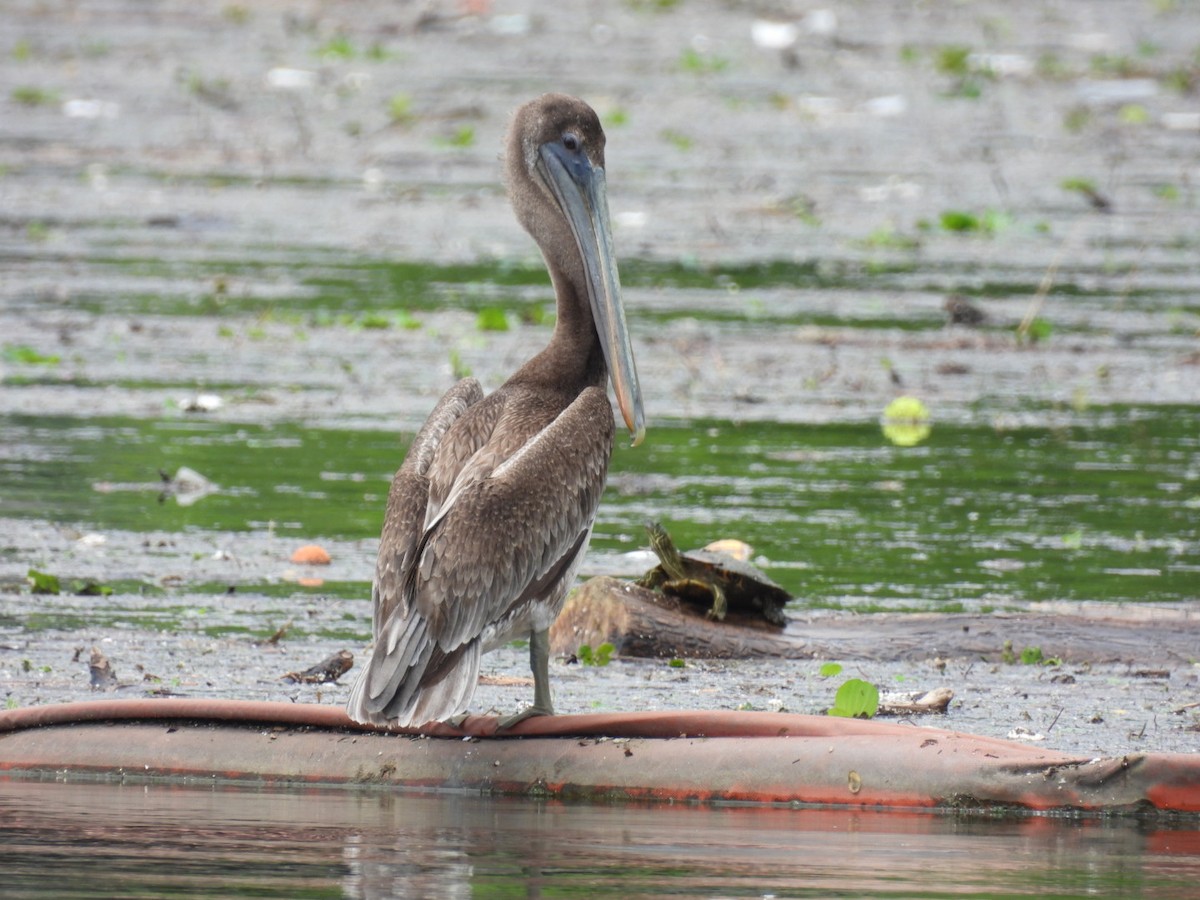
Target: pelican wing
{"points": [[504, 538], [408, 499]]}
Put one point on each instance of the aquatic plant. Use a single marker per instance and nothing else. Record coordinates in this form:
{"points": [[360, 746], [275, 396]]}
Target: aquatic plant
{"points": [[855, 699], [601, 656]]}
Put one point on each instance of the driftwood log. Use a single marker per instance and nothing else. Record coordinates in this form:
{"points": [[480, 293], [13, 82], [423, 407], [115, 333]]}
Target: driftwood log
{"points": [[641, 622]]}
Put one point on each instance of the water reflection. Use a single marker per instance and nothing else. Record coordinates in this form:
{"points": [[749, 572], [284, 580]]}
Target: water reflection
{"points": [[103, 840]]}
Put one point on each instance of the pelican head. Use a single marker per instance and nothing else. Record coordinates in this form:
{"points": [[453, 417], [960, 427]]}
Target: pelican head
{"points": [[556, 173]]}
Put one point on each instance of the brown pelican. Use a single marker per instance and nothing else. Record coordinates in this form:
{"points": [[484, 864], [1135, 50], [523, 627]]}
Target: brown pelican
{"points": [[489, 516]]}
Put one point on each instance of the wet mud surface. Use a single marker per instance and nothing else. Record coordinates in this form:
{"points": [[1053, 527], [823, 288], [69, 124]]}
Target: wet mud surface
{"points": [[196, 200]]}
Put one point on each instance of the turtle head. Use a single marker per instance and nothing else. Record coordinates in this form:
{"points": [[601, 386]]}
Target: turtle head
{"points": [[664, 548]]}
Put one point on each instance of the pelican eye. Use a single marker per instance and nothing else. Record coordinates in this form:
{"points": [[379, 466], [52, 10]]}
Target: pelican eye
{"points": [[571, 142]]}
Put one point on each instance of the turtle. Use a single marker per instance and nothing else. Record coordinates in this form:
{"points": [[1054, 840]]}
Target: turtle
{"points": [[712, 575]]}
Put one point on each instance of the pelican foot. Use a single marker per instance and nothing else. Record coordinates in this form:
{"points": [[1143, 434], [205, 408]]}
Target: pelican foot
{"points": [[528, 713]]}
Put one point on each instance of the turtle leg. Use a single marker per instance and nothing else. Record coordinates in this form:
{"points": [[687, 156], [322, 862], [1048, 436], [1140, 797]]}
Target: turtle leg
{"points": [[539, 664], [719, 604]]}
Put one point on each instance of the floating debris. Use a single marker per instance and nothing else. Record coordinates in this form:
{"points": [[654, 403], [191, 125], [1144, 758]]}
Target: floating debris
{"points": [[739, 550], [186, 486], [962, 311], [103, 677], [1021, 733], [202, 403], [286, 79], [324, 672], [312, 555], [911, 703], [773, 35]]}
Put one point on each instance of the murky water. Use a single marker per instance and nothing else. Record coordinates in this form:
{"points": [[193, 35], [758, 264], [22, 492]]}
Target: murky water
{"points": [[321, 259], [86, 840]]}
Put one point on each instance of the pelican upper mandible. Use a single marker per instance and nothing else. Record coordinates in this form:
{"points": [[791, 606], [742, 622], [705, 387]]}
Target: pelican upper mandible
{"points": [[490, 514]]}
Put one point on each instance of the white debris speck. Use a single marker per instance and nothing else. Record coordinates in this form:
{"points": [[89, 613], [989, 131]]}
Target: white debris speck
{"points": [[372, 179], [97, 176], [90, 109], [285, 79], [887, 106], [892, 189], [1002, 65], [1092, 41], [821, 21], [634, 218], [515, 24], [773, 35], [1002, 565], [1116, 90], [816, 106], [1024, 734], [201, 403], [1181, 121]]}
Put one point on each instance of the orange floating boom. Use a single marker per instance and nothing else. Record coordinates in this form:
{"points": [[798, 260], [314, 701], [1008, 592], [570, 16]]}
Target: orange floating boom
{"points": [[743, 757]]}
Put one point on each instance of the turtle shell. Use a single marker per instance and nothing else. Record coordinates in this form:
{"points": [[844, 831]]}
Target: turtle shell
{"points": [[745, 586]]}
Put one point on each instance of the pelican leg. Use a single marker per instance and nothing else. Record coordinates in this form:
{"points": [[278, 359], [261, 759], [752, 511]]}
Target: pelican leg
{"points": [[539, 664]]}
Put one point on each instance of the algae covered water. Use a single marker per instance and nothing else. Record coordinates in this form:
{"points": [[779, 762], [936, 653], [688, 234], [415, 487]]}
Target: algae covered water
{"points": [[1099, 505]]}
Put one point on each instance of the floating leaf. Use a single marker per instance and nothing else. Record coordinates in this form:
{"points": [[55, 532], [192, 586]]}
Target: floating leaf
{"points": [[856, 699], [26, 355], [90, 587], [701, 63], [906, 422], [337, 47], [43, 582], [492, 318], [1039, 330], [830, 669], [400, 109], [956, 220]]}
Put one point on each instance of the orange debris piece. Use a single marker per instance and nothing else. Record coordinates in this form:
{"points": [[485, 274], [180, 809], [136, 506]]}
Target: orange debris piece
{"points": [[311, 555]]}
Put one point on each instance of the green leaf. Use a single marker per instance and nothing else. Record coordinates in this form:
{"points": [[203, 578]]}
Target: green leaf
{"points": [[400, 109], [604, 654], [601, 656], [26, 355], [830, 669], [492, 318], [957, 220], [90, 587], [676, 663], [42, 582], [463, 137], [856, 699], [1032, 656]]}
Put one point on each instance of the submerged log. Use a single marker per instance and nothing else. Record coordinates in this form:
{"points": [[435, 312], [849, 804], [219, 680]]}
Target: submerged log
{"points": [[641, 622]]}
